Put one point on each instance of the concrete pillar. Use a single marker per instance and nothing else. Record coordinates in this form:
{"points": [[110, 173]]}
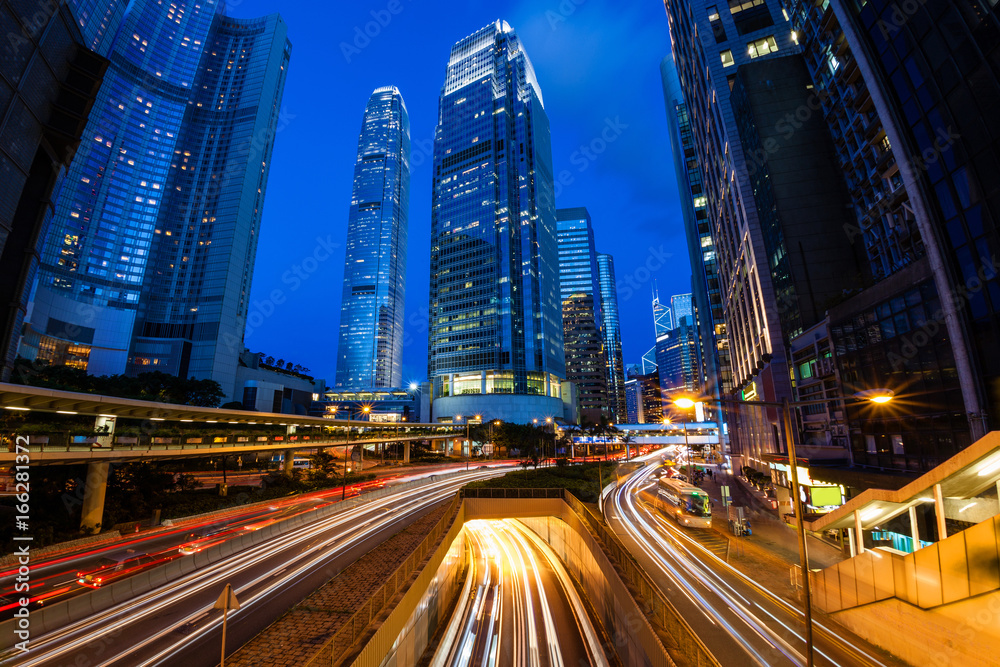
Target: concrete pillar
{"points": [[939, 512], [406, 452], [289, 461], [859, 533], [92, 514], [482, 382], [852, 543], [914, 530]]}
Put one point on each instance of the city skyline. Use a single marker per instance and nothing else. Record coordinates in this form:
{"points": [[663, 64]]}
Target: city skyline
{"points": [[630, 117]]}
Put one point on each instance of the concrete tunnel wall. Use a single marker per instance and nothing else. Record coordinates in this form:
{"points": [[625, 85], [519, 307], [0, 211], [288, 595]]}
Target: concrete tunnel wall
{"points": [[632, 637]]}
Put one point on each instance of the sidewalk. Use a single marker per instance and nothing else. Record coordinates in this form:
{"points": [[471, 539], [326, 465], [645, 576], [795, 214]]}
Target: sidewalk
{"points": [[767, 555]]}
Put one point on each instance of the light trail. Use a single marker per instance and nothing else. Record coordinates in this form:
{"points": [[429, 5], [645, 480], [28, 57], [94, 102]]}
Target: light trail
{"points": [[518, 606], [767, 628], [308, 547]]}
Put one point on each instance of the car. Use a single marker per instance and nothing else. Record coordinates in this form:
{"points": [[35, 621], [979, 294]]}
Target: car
{"points": [[112, 568], [205, 537]]}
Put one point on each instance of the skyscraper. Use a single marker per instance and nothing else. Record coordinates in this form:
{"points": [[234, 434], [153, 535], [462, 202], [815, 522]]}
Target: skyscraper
{"points": [[369, 354], [612, 337], [706, 289], [495, 344], [48, 83], [580, 292], [905, 96], [99, 21], [663, 319], [775, 211], [149, 259]]}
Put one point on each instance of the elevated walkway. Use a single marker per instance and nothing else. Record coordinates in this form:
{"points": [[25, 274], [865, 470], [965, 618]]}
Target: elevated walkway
{"points": [[947, 591]]}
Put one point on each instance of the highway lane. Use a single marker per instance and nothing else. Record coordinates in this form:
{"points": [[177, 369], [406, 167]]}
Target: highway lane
{"points": [[741, 622], [518, 607], [175, 624], [54, 577]]}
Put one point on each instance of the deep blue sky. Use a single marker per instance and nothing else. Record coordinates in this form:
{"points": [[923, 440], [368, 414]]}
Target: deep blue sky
{"points": [[597, 62]]}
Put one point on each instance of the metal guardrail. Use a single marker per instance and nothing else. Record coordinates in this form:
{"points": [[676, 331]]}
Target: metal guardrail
{"points": [[510, 493], [355, 626], [682, 637], [62, 443]]}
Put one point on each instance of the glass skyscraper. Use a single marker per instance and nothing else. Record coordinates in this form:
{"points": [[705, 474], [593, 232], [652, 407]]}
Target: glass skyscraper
{"points": [[580, 292], [49, 80], [369, 354], [495, 346], [612, 338], [148, 262]]}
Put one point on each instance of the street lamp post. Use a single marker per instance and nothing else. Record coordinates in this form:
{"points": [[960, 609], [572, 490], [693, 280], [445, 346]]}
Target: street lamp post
{"points": [[347, 454], [878, 396]]}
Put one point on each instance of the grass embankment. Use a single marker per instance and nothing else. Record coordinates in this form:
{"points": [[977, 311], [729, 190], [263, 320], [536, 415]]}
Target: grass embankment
{"points": [[580, 480]]}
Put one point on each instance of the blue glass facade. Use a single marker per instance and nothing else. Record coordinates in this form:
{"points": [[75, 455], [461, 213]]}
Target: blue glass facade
{"points": [[612, 337], [369, 354], [495, 325], [99, 21], [148, 261]]}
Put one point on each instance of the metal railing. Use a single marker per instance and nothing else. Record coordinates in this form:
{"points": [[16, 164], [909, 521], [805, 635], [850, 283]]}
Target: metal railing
{"points": [[510, 493], [61, 442], [679, 635]]}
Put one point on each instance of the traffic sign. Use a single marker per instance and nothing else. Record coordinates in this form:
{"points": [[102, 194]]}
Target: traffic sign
{"points": [[488, 448], [227, 600]]}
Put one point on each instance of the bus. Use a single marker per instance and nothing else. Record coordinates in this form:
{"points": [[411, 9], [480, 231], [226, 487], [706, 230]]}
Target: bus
{"points": [[688, 505]]}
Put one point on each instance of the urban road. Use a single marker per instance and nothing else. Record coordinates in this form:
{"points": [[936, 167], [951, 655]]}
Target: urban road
{"points": [[176, 624], [740, 621], [518, 606]]}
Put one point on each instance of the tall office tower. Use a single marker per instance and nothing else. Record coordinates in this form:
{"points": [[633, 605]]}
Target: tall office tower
{"points": [[148, 262], [663, 319], [495, 344], [582, 317], [370, 350], [921, 163], [705, 283], [677, 351], [766, 235], [99, 21], [612, 337], [48, 83], [681, 306], [633, 402]]}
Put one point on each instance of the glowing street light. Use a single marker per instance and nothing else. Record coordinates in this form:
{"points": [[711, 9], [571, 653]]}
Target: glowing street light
{"points": [[878, 396]]}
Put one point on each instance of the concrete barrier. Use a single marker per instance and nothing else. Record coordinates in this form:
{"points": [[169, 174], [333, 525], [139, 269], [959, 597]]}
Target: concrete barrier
{"points": [[633, 638]]}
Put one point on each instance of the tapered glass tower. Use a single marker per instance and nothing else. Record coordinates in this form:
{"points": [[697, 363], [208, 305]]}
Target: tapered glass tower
{"points": [[496, 339], [612, 338], [370, 350]]}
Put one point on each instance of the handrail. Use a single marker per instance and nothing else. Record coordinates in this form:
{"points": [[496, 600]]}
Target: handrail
{"points": [[660, 610]]}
